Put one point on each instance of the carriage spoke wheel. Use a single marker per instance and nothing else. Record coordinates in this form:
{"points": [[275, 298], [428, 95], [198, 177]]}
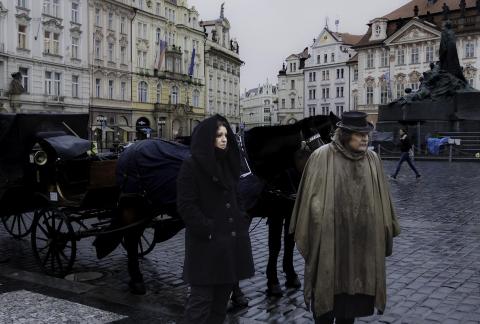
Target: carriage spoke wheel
{"points": [[146, 242], [53, 242], [18, 225]]}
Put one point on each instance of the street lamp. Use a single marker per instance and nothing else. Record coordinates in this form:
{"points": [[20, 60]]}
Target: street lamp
{"points": [[102, 120]]}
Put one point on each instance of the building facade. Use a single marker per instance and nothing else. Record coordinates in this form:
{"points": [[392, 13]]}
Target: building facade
{"points": [[326, 74], [46, 41], [291, 89], [110, 46], [222, 70], [258, 106], [168, 83], [400, 46]]}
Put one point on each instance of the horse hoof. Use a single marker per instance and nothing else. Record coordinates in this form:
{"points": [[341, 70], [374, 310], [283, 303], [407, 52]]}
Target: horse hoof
{"points": [[293, 283], [137, 287], [274, 290]]}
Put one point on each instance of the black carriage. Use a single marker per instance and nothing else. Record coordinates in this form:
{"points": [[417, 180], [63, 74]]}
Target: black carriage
{"points": [[53, 187]]}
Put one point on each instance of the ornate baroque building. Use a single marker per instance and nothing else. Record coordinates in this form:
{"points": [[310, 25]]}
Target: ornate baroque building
{"points": [[168, 90], [222, 64], [46, 41], [109, 49], [399, 46], [291, 89], [327, 76], [258, 106]]}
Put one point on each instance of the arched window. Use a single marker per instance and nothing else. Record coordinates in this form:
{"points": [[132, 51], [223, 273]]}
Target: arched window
{"points": [[142, 91], [174, 95], [196, 98], [159, 92]]}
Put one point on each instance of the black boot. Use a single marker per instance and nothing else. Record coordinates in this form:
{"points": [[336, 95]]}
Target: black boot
{"points": [[238, 298]]}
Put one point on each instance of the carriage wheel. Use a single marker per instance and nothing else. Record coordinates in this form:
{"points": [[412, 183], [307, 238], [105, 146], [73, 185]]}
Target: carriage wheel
{"points": [[53, 242], [146, 243], [18, 225]]}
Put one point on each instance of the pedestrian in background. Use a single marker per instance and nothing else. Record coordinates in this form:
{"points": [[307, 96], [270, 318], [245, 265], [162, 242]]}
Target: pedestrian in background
{"points": [[344, 224], [218, 251], [406, 150]]}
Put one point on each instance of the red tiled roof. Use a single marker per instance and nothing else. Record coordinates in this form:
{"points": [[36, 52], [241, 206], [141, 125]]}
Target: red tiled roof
{"points": [[349, 39], [406, 11]]}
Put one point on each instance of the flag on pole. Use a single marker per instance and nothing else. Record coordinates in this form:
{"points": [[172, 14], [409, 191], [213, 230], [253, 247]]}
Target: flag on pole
{"points": [[160, 55], [192, 63], [386, 77]]}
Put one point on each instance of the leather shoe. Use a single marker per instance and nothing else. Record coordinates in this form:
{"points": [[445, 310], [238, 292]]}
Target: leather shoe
{"points": [[274, 290], [137, 287], [293, 282], [239, 300]]}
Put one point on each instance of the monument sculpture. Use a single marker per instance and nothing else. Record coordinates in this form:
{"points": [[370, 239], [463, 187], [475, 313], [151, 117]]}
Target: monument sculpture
{"points": [[444, 101]]}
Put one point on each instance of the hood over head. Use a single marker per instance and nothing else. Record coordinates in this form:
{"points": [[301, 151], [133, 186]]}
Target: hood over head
{"points": [[203, 147]]}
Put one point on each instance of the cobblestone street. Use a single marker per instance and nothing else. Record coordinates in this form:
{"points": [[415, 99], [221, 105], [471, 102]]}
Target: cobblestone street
{"points": [[433, 274]]}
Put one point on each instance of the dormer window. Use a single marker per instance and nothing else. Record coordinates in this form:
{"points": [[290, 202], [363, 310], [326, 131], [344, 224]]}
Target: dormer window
{"points": [[378, 30]]}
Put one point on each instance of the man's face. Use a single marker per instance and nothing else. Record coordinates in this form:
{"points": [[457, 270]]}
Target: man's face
{"points": [[359, 142]]}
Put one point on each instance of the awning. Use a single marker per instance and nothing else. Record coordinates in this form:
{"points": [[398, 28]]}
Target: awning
{"points": [[128, 129], [105, 128], [146, 130]]}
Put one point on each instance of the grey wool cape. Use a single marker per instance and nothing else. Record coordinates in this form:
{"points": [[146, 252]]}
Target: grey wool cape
{"points": [[344, 224]]}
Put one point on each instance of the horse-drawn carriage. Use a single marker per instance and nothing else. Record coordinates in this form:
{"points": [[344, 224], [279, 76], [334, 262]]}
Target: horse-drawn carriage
{"points": [[49, 177]]}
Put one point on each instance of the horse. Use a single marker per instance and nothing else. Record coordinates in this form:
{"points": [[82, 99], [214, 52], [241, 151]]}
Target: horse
{"points": [[147, 170], [278, 155]]}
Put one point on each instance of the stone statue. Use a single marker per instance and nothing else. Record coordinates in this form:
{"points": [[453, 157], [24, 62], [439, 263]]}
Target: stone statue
{"points": [[16, 87], [222, 11], [444, 78], [448, 52], [415, 10], [446, 11], [214, 36]]}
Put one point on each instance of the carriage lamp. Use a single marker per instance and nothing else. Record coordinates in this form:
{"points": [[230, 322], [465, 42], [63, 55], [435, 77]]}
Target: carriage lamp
{"points": [[40, 158]]}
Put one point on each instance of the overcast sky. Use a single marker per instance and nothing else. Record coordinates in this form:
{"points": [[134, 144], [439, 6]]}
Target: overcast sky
{"points": [[270, 30]]}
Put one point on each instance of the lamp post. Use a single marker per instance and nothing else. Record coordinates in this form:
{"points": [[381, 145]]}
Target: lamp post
{"points": [[102, 120]]}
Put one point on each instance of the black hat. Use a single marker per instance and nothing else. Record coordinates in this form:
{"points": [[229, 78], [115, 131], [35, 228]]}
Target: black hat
{"points": [[355, 121]]}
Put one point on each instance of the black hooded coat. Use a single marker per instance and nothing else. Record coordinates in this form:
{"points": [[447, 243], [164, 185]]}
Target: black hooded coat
{"points": [[217, 242]]}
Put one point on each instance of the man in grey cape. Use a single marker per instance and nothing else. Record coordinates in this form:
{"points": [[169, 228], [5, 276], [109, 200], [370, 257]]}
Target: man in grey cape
{"points": [[344, 224]]}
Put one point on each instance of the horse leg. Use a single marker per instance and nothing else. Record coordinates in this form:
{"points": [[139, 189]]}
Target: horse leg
{"points": [[274, 246], [288, 246], [132, 239]]}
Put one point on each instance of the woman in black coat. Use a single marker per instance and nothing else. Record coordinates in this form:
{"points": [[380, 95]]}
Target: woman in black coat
{"points": [[218, 252]]}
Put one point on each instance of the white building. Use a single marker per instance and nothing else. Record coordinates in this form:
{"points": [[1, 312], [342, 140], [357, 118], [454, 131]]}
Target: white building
{"points": [[258, 106], [222, 70], [46, 41], [327, 76], [109, 49], [291, 89], [400, 46]]}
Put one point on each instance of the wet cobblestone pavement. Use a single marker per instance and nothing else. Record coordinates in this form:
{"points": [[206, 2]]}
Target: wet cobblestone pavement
{"points": [[433, 275]]}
